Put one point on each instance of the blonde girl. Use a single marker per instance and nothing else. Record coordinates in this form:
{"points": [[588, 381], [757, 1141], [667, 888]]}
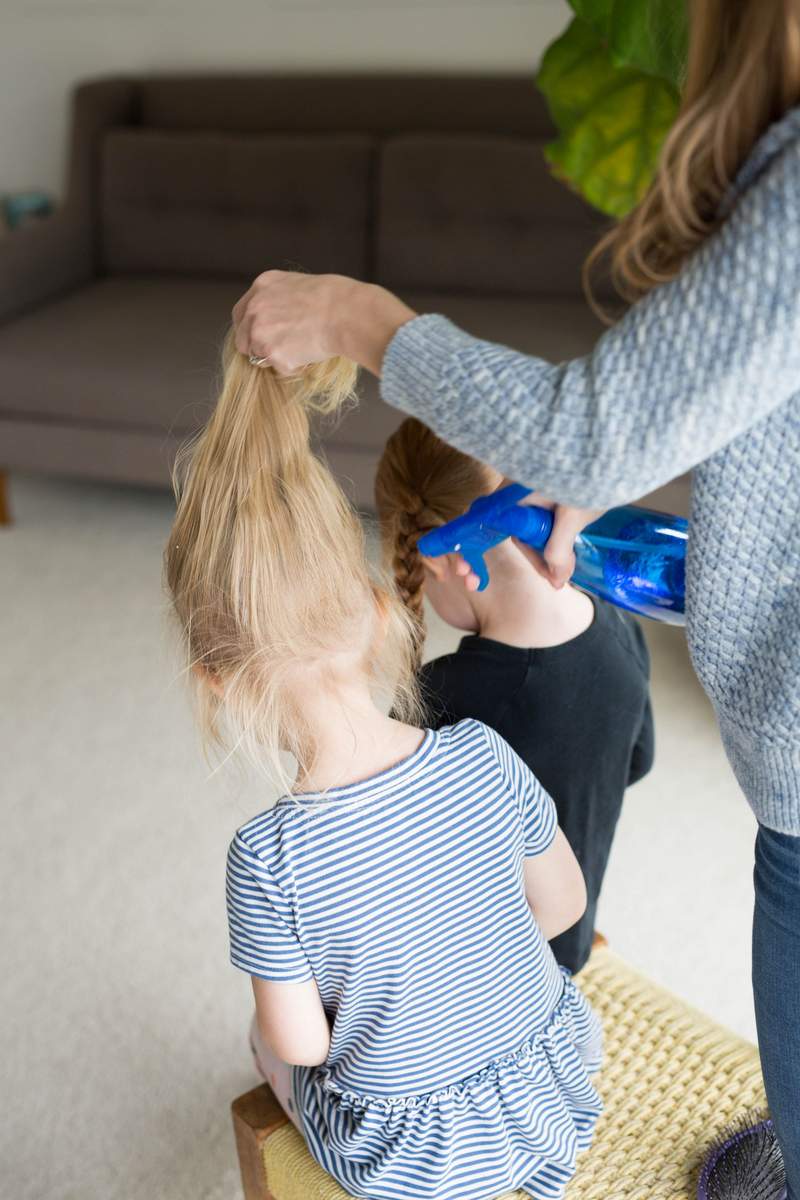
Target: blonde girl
{"points": [[393, 907]]}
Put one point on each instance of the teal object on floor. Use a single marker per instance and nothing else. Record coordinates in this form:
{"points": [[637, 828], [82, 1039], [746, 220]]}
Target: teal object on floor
{"points": [[633, 557]]}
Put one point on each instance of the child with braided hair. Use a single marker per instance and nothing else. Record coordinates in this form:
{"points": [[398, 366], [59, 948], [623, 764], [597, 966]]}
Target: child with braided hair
{"points": [[561, 676]]}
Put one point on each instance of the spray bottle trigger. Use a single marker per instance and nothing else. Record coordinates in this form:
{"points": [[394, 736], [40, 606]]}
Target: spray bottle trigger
{"points": [[474, 560]]}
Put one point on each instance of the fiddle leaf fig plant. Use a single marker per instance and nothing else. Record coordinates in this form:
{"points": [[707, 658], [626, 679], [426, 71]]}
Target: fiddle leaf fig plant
{"points": [[612, 84]]}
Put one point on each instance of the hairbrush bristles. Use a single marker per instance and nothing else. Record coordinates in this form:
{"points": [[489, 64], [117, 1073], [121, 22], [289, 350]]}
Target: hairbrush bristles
{"points": [[744, 1163]]}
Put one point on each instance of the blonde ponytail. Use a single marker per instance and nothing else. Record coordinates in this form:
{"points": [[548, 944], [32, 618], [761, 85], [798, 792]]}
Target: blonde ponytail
{"points": [[267, 569]]}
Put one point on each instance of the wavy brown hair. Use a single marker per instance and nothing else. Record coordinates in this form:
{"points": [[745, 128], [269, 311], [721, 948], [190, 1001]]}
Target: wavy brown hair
{"points": [[743, 73], [421, 483], [267, 568]]}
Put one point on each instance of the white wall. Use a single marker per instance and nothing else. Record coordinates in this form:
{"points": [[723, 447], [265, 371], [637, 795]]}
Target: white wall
{"points": [[46, 45]]}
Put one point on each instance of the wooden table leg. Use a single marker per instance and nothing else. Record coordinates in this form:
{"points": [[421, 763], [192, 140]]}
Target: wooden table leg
{"points": [[256, 1115]]}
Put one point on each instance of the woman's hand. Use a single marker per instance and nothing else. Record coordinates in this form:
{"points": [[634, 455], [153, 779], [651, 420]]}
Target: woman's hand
{"points": [[556, 562], [290, 319]]}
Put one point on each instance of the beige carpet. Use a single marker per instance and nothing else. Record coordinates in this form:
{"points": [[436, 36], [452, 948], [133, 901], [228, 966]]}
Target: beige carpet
{"points": [[123, 1025]]}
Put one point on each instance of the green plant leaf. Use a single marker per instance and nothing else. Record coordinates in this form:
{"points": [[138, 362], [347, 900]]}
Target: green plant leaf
{"points": [[569, 72], [651, 35], [596, 13], [612, 120]]}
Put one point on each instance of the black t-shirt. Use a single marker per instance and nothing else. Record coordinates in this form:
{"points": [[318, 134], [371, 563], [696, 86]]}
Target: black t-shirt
{"points": [[578, 714]]}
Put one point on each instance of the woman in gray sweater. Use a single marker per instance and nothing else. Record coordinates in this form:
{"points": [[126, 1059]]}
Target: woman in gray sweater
{"points": [[703, 371]]}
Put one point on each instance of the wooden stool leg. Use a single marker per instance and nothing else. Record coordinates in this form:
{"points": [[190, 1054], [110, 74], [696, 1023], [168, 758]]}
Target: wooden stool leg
{"points": [[256, 1115], [5, 510]]}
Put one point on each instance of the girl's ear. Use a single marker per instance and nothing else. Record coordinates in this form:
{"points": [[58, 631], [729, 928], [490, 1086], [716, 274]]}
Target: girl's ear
{"points": [[438, 567], [383, 610], [208, 679]]}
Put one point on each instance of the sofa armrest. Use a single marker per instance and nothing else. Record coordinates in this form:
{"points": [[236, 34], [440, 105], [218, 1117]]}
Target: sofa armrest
{"points": [[42, 260]]}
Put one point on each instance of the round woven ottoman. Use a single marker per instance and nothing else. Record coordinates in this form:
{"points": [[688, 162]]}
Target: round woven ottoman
{"points": [[671, 1080]]}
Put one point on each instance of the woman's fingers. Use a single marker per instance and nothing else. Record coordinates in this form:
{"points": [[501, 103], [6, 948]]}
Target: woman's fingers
{"points": [[289, 318], [556, 563], [241, 335], [238, 310], [559, 553], [242, 321]]}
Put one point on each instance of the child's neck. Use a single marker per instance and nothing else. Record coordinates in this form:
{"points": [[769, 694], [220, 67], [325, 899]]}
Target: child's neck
{"points": [[354, 739], [524, 610]]}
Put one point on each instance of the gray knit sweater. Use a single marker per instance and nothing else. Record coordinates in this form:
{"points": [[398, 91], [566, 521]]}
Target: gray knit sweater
{"points": [[703, 372]]}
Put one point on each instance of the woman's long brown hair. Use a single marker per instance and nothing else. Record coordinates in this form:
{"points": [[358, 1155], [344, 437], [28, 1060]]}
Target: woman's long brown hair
{"points": [[743, 73]]}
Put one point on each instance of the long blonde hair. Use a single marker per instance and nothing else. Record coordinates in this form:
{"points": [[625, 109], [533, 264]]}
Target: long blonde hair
{"points": [[743, 73], [267, 568], [421, 483]]}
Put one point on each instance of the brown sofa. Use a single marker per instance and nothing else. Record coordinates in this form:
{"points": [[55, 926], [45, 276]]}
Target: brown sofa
{"points": [[180, 189]]}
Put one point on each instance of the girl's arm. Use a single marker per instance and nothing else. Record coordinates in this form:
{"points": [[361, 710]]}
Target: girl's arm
{"points": [[692, 365], [264, 943], [555, 888], [292, 1021]]}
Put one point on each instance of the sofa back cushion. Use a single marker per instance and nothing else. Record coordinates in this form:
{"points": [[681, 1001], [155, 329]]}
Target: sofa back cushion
{"points": [[230, 205], [379, 103], [478, 214]]}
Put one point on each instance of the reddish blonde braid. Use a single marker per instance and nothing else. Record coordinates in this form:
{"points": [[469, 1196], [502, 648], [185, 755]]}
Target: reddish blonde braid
{"points": [[421, 483], [409, 573]]}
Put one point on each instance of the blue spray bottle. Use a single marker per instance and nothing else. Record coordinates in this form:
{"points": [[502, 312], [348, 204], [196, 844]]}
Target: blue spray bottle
{"points": [[633, 557]]}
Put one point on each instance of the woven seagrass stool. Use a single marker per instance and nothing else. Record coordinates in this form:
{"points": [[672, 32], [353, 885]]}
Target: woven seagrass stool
{"points": [[671, 1080]]}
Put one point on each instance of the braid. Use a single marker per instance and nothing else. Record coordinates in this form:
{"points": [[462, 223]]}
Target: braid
{"points": [[421, 482], [409, 573]]}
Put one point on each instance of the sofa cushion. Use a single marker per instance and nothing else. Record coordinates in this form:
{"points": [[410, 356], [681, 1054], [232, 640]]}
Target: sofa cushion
{"points": [[227, 205], [478, 214], [381, 102], [141, 353]]}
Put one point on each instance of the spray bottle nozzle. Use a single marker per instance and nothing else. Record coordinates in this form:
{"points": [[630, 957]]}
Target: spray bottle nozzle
{"points": [[488, 521]]}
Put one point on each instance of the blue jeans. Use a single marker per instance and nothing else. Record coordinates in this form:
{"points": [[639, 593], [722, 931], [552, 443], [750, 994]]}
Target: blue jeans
{"points": [[776, 987]]}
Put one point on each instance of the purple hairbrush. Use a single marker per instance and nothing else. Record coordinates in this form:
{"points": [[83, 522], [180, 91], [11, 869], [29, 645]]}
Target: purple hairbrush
{"points": [[745, 1163]]}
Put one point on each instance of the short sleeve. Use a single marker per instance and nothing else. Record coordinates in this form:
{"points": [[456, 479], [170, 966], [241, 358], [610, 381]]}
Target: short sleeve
{"points": [[263, 941], [536, 808]]}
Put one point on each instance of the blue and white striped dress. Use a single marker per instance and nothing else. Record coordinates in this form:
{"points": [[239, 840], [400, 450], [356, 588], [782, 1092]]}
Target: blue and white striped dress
{"points": [[460, 1053]]}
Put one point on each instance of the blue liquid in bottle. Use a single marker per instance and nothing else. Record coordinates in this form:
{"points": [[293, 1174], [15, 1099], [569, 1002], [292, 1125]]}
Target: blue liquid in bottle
{"points": [[636, 558], [633, 557]]}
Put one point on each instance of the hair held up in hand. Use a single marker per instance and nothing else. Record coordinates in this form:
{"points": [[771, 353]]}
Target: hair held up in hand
{"points": [[267, 569]]}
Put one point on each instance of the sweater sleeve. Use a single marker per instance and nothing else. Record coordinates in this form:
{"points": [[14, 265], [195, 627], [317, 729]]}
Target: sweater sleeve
{"points": [[695, 363]]}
